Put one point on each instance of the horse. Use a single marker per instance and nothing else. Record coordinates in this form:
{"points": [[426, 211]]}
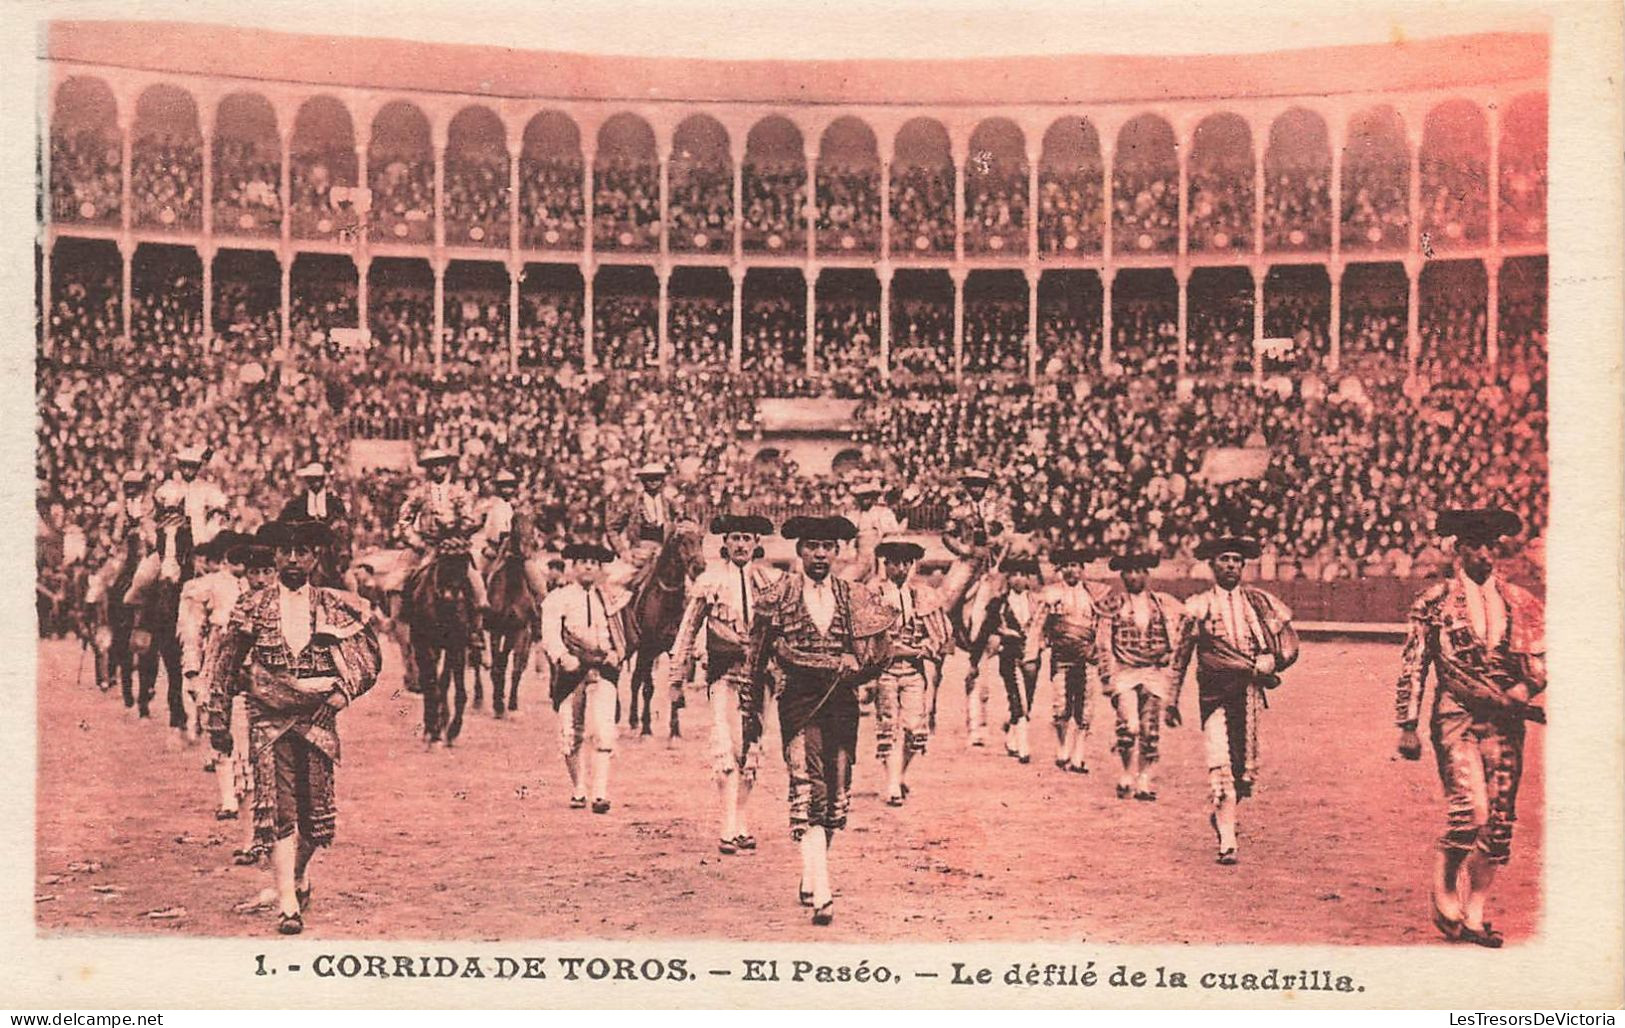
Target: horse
{"points": [[439, 614], [379, 577], [157, 614], [511, 619], [651, 618], [966, 589]]}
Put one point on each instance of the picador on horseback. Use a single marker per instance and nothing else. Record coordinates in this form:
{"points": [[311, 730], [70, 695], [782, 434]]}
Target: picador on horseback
{"points": [[436, 522], [505, 555]]}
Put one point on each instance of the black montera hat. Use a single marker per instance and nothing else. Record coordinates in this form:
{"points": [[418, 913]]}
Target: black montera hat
{"points": [[1479, 525], [811, 529]]}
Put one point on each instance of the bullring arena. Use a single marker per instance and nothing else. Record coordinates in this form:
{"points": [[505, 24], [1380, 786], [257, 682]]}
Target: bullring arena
{"points": [[1148, 293]]}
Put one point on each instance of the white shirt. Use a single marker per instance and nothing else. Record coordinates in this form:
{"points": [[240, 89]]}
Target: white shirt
{"points": [[654, 509], [820, 600], [316, 504], [878, 520], [1020, 607], [1486, 610], [898, 596], [1139, 608], [1240, 623], [1073, 599], [583, 611], [498, 518], [295, 612]]}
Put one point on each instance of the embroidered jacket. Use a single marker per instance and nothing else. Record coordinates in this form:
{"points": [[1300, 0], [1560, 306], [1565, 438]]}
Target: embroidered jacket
{"points": [[1070, 623], [1206, 635], [435, 512], [342, 646], [206, 605], [1152, 646], [645, 518], [971, 518], [715, 601], [922, 624], [1472, 677], [784, 631]]}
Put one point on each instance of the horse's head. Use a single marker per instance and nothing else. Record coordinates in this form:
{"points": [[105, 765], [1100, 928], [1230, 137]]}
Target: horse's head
{"points": [[447, 583], [686, 548]]}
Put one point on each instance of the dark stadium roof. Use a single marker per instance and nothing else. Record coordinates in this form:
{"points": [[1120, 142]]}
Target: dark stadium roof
{"points": [[337, 62]]}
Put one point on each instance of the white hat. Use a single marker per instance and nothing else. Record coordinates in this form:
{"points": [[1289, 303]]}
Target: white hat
{"points": [[315, 469], [976, 474], [135, 476], [189, 455], [653, 469], [429, 457]]}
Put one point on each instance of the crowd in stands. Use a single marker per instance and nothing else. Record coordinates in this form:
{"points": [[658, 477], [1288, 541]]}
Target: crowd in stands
{"points": [[476, 324], [166, 183], [1298, 208], [848, 207], [773, 335], [402, 207], [314, 207], [1376, 206], [1303, 316], [1357, 460], [1356, 463], [1219, 334], [1145, 336], [996, 207], [626, 204], [550, 325], [1068, 340], [1220, 206], [1523, 195], [1069, 213], [922, 338], [701, 207], [848, 335], [775, 206], [701, 331], [996, 336], [477, 200], [1455, 199], [87, 183], [1145, 203], [247, 187], [626, 330], [402, 323], [922, 209], [167, 192], [551, 210]]}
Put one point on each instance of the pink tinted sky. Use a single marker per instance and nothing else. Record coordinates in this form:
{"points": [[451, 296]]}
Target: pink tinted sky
{"points": [[814, 29]]}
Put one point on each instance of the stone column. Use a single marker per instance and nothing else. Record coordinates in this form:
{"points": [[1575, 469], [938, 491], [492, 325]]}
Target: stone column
{"points": [[662, 337], [1413, 306], [1182, 278], [126, 251], [736, 355], [958, 274], [205, 256], [885, 272], [516, 268], [285, 187], [285, 268], [812, 317], [589, 356], [1032, 275], [438, 265]]}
